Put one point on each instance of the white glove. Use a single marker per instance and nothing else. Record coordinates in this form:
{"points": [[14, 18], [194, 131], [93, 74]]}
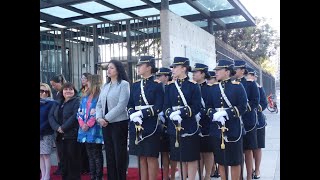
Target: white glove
{"points": [[177, 118], [222, 120], [137, 119], [162, 119], [136, 114], [198, 117], [161, 113], [219, 114], [178, 112]]}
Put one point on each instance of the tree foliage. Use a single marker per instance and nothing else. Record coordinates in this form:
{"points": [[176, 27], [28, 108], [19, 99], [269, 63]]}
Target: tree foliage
{"points": [[258, 42]]}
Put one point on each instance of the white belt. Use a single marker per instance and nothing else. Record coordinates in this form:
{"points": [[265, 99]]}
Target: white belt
{"points": [[221, 109], [138, 108], [175, 108]]}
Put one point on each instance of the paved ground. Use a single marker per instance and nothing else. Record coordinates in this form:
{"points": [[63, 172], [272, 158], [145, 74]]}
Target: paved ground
{"points": [[270, 165]]}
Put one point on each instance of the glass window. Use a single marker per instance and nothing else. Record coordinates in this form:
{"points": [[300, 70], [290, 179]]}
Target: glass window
{"points": [[43, 28], [118, 16], [59, 12], [200, 23], [216, 5], [125, 3], [182, 9], [146, 12], [233, 19], [87, 21], [92, 7], [157, 1], [83, 38], [58, 25]]}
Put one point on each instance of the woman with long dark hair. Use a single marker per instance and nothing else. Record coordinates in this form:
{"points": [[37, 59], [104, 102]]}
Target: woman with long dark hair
{"points": [[112, 116]]}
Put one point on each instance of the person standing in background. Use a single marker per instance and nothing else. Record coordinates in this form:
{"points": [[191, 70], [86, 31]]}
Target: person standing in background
{"points": [[84, 155], [57, 82], [111, 114], [90, 133], [63, 120], [46, 132]]}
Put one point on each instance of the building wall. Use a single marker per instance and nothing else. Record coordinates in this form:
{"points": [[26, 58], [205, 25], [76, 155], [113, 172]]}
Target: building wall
{"points": [[179, 37]]}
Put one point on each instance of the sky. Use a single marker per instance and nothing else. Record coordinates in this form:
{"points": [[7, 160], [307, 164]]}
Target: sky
{"points": [[265, 8]]}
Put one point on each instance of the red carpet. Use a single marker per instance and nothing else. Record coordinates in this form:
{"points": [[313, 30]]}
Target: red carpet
{"points": [[133, 174]]}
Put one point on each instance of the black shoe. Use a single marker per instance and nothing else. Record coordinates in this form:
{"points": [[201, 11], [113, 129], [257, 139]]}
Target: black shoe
{"points": [[215, 174], [256, 177], [58, 172]]}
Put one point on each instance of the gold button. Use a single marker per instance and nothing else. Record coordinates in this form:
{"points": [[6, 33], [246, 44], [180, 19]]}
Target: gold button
{"points": [[210, 111], [147, 110], [178, 96], [185, 108], [148, 115], [140, 95], [232, 110], [178, 101], [158, 110], [186, 113], [221, 102], [220, 97]]}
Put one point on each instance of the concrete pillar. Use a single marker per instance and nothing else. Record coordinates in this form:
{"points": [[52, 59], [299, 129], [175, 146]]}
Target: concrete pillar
{"points": [[164, 4]]}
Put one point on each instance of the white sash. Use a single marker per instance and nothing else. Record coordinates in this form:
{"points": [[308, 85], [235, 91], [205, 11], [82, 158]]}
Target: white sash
{"points": [[181, 94], [142, 93], [185, 104], [230, 106]]}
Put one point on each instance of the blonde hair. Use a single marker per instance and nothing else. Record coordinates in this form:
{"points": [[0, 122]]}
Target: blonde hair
{"points": [[47, 87], [95, 85]]}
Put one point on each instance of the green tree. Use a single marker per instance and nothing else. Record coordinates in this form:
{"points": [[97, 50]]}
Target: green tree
{"points": [[258, 42]]}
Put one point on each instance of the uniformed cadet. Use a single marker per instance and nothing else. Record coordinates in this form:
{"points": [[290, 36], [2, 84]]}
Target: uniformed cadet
{"points": [[182, 102], [249, 117], [200, 74], [164, 75], [212, 77], [257, 153], [226, 103], [145, 103]]}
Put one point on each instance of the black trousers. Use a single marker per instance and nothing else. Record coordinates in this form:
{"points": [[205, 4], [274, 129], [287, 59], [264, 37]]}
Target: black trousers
{"points": [[59, 152], [84, 159], [71, 159], [95, 160], [115, 137]]}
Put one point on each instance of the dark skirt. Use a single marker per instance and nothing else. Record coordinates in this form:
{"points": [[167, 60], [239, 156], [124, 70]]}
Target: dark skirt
{"points": [[233, 152], [206, 144], [189, 146], [261, 137], [250, 141], [149, 147], [164, 143]]}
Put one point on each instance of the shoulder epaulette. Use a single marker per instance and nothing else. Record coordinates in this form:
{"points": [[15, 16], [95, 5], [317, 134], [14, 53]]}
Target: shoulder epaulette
{"points": [[193, 81], [235, 82], [170, 82], [137, 80], [250, 80], [157, 81]]}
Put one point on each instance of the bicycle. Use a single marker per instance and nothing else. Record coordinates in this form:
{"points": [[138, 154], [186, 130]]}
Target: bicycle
{"points": [[272, 104]]}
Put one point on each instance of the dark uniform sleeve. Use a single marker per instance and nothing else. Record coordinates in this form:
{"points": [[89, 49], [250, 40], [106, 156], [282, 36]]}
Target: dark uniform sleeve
{"points": [[52, 120], [194, 107], [254, 96], [130, 107], [263, 100], [240, 108], [209, 104], [167, 103], [158, 103]]}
